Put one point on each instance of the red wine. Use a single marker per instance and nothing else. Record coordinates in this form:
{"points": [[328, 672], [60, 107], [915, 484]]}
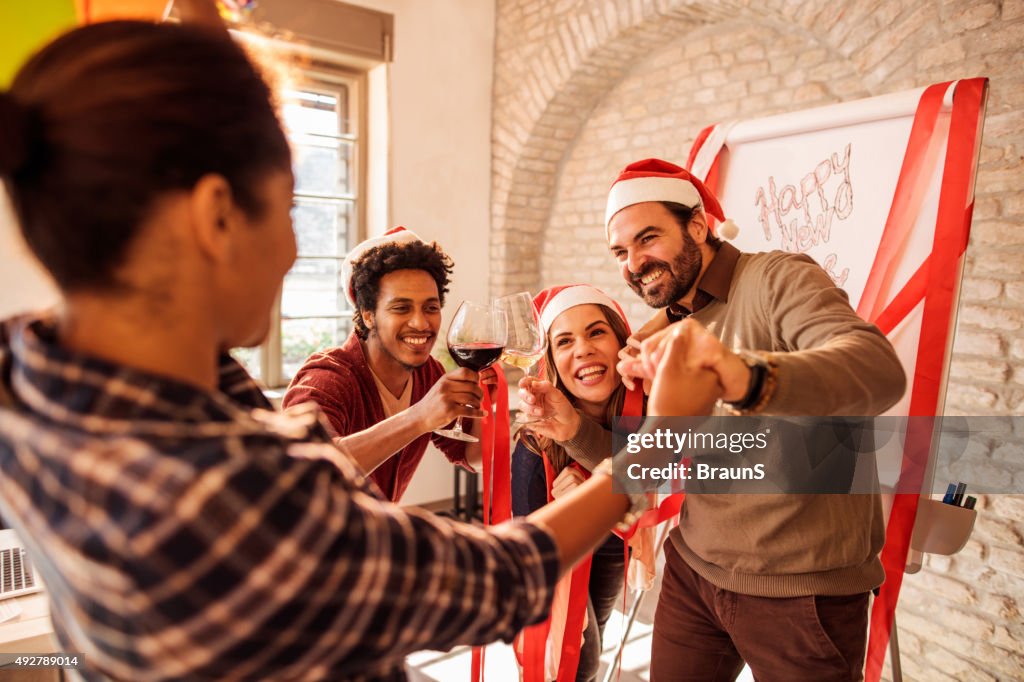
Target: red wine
{"points": [[476, 356]]}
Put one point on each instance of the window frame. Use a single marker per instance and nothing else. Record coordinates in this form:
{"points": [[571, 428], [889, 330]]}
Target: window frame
{"points": [[322, 75]]}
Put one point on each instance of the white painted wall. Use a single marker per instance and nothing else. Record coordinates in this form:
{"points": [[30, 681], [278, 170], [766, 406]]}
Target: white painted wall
{"points": [[440, 182]]}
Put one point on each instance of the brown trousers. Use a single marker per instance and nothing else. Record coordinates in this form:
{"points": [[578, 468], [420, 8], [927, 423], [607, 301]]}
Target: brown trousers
{"points": [[704, 633]]}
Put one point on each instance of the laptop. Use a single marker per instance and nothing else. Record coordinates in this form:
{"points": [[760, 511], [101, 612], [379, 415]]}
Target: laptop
{"points": [[17, 576]]}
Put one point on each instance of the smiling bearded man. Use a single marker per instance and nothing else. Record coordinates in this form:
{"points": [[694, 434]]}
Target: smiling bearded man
{"points": [[381, 391], [784, 341]]}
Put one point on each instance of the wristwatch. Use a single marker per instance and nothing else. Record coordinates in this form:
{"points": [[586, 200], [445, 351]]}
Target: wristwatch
{"points": [[761, 385], [639, 502]]}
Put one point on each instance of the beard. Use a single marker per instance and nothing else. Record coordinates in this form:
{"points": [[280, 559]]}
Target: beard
{"points": [[683, 272]]}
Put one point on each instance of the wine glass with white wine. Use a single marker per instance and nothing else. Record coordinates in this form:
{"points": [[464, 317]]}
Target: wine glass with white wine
{"points": [[526, 342]]}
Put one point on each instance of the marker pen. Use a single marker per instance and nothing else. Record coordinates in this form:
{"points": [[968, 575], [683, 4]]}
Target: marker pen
{"points": [[950, 491]]}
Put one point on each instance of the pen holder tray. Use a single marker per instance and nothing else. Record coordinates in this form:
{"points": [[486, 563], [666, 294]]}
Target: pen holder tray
{"points": [[941, 528]]}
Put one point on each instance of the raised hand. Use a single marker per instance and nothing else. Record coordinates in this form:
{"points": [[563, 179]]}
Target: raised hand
{"points": [[628, 355], [456, 394], [568, 479], [681, 363], [539, 398]]}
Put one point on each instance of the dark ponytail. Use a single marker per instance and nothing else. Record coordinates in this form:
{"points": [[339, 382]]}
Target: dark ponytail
{"points": [[18, 130]]}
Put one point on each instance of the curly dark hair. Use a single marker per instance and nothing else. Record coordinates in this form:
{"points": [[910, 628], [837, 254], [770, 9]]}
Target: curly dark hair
{"points": [[380, 260]]}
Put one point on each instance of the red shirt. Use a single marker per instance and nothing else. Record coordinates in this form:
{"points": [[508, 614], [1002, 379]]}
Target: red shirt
{"points": [[340, 382]]}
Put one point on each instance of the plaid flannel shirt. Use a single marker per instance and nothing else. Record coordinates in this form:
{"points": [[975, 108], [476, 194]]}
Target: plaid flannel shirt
{"points": [[185, 534]]}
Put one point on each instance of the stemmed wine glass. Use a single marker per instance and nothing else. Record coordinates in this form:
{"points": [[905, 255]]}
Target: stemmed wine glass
{"points": [[526, 342], [476, 339]]}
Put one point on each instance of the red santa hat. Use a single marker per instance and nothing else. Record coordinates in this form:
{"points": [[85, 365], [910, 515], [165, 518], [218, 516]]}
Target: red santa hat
{"points": [[554, 301], [396, 235], [657, 180]]}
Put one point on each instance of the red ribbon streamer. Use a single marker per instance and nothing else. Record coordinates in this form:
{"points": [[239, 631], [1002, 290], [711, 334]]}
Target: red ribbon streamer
{"points": [[534, 638], [497, 471], [952, 226], [502, 484], [711, 181], [579, 591], [702, 137], [906, 201]]}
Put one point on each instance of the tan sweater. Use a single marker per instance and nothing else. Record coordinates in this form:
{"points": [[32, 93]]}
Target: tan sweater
{"points": [[830, 362]]}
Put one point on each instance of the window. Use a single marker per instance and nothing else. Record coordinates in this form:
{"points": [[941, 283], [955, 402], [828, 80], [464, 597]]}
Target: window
{"points": [[325, 115], [322, 119]]}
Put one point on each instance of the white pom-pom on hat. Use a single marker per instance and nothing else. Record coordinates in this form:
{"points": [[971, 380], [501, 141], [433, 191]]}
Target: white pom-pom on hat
{"points": [[728, 230]]}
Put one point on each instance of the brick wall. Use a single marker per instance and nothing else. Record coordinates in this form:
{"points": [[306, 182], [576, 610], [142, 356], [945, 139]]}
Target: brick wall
{"points": [[582, 87]]}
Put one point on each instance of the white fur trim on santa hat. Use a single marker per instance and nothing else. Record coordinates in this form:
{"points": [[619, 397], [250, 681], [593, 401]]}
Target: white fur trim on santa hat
{"points": [[638, 190], [397, 236], [570, 297]]}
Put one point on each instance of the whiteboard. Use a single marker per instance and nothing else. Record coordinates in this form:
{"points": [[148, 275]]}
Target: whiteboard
{"points": [[822, 181]]}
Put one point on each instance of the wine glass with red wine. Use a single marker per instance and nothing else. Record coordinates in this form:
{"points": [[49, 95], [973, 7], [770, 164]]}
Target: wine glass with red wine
{"points": [[476, 339]]}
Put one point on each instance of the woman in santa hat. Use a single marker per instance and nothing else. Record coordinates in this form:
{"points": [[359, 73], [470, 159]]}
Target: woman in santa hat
{"points": [[586, 329]]}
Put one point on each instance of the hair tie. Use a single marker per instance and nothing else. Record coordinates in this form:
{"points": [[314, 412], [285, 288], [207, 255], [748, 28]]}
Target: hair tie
{"points": [[17, 129]]}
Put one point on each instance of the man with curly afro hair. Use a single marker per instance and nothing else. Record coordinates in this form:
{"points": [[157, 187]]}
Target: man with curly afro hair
{"points": [[381, 390]]}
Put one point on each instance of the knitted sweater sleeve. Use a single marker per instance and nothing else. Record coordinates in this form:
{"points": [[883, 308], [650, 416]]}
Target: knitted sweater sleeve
{"points": [[836, 363], [591, 444]]}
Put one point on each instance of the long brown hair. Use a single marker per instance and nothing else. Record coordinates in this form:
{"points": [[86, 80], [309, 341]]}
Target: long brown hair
{"points": [[555, 452]]}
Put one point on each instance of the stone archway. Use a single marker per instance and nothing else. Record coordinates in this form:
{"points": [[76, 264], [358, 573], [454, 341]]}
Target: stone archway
{"points": [[556, 61]]}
